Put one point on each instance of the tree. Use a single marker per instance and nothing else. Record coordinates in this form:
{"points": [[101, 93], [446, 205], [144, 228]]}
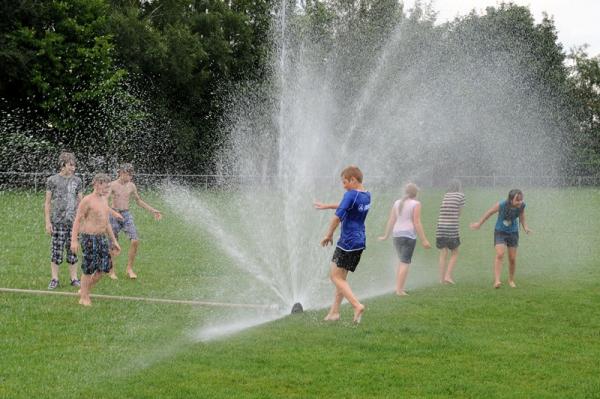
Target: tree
{"points": [[584, 82]]}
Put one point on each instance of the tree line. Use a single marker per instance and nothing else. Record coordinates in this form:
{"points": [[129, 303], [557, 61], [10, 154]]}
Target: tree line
{"points": [[150, 81]]}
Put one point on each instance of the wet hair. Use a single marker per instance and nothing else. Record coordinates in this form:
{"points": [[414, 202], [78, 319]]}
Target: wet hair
{"points": [[454, 186], [101, 178], [352, 171], [65, 158], [410, 191], [511, 195], [126, 168]]}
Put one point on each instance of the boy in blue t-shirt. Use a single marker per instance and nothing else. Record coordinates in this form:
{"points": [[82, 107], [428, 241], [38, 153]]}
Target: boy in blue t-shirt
{"points": [[351, 212], [506, 232]]}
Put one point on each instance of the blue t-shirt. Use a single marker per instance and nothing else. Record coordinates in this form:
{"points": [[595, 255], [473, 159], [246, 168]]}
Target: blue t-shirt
{"points": [[352, 211], [507, 217]]}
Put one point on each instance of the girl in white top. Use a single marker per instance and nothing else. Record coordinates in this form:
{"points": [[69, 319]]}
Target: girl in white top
{"points": [[405, 225]]}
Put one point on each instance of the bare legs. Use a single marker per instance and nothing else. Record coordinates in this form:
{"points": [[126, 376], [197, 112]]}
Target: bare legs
{"points": [[72, 271], [338, 277], [446, 272], [401, 274], [512, 265], [130, 260], [87, 283]]}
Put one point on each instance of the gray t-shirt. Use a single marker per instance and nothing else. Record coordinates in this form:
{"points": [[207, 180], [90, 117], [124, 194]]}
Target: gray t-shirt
{"points": [[64, 197]]}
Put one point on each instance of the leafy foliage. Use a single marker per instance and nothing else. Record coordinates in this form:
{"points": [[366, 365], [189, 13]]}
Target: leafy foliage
{"points": [[150, 82]]}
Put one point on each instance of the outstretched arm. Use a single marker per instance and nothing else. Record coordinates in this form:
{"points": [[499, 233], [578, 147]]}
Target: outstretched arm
{"points": [[390, 223], [328, 239], [486, 216], [524, 222], [141, 203], [321, 205], [419, 227]]}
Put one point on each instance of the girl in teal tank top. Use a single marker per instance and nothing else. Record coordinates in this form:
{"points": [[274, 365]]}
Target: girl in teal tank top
{"points": [[511, 212]]}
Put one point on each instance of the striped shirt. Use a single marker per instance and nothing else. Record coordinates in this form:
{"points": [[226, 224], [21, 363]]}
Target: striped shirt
{"points": [[449, 213]]}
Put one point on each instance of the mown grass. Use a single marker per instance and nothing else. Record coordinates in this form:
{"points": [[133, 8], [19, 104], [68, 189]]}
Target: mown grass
{"points": [[541, 340]]}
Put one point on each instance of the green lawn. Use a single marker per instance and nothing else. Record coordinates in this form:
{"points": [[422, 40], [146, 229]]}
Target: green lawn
{"points": [[540, 340]]}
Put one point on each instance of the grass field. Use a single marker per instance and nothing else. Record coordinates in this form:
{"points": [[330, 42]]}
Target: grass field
{"points": [[540, 340]]}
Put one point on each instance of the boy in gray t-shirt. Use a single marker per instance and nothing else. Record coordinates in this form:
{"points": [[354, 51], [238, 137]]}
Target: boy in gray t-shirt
{"points": [[63, 193]]}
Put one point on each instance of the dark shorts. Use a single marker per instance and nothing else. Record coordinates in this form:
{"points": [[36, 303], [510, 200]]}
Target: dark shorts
{"points": [[447, 242], [346, 259], [95, 254], [61, 241], [127, 224], [404, 248], [508, 239]]}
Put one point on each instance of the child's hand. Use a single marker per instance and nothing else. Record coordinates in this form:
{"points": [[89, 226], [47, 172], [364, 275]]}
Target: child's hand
{"points": [[75, 246], [319, 205], [383, 238], [157, 215], [475, 226], [49, 229], [527, 230], [116, 248], [426, 244], [328, 240]]}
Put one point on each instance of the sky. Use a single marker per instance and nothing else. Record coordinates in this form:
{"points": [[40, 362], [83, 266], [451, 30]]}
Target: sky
{"points": [[577, 21]]}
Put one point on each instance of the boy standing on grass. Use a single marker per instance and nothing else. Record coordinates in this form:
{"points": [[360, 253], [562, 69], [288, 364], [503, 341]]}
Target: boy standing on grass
{"points": [[92, 227], [351, 212], [120, 191], [63, 193]]}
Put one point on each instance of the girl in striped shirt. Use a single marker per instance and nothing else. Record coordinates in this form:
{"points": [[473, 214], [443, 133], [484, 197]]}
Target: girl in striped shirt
{"points": [[447, 237]]}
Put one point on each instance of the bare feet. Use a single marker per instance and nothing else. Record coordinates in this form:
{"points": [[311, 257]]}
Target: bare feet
{"points": [[358, 312], [332, 317], [131, 274], [448, 281], [113, 276], [401, 293], [497, 284], [512, 284], [85, 302]]}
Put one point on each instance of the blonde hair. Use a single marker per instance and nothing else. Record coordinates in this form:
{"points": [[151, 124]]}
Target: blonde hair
{"points": [[352, 171], [101, 178], [410, 191]]}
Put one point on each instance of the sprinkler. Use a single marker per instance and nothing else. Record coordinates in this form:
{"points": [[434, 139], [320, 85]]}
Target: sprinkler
{"points": [[297, 308]]}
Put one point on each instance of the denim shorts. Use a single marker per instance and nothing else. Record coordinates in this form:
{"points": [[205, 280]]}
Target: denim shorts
{"points": [[447, 242], [508, 239], [404, 248]]}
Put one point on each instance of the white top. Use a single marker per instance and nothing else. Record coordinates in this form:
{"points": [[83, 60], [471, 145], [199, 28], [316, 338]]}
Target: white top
{"points": [[404, 226]]}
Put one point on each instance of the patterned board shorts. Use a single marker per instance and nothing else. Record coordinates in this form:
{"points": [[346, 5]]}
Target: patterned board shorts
{"points": [[61, 241], [126, 224], [96, 257]]}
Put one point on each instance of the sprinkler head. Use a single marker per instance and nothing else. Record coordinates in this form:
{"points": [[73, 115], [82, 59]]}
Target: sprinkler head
{"points": [[297, 308]]}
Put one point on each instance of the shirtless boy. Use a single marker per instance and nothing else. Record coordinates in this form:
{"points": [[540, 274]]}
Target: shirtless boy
{"points": [[121, 190], [92, 228]]}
